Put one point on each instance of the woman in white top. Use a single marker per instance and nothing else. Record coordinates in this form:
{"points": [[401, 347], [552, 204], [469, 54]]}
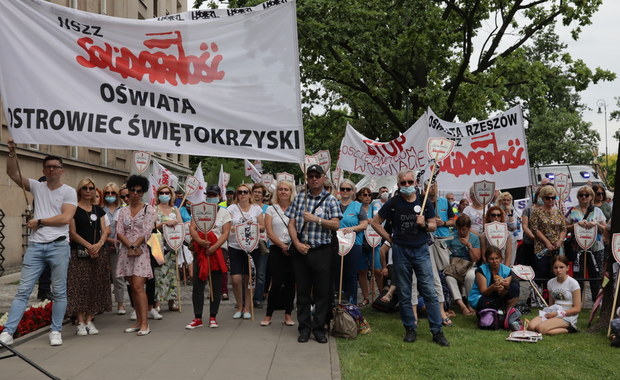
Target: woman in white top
{"points": [[282, 291], [474, 211], [564, 302], [243, 212]]}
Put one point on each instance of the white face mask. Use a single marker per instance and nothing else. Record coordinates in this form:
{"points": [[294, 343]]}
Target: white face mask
{"points": [[384, 196]]}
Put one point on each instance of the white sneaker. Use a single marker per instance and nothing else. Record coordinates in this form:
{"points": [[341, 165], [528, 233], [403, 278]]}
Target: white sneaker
{"points": [[92, 330], [154, 314], [133, 316], [55, 338], [81, 330], [6, 338]]}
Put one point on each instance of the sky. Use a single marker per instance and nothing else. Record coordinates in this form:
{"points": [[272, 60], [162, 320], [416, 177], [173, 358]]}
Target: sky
{"points": [[597, 46]]}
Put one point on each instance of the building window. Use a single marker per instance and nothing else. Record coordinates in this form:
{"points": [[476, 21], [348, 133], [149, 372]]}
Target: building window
{"points": [[104, 157], [73, 152]]}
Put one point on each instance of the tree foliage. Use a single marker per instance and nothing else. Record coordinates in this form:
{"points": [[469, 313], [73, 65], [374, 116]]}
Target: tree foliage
{"points": [[380, 64]]}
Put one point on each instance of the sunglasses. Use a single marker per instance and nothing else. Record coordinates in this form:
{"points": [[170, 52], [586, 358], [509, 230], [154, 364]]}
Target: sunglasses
{"points": [[109, 193], [136, 191], [122, 196], [494, 215], [406, 183], [164, 192], [550, 198], [600, 194], [243, 192], [583, 195], [345, 189], [314, 176], [365, 195], [88, 188]]}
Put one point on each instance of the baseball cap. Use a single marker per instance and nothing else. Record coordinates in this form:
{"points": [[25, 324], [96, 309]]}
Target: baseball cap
{"points": [[315, 168], [213, 189], [230, 190]]}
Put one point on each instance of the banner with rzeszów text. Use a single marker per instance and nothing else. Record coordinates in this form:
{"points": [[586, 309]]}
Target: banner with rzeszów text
{"points": [[226, 85], [492, 149]]}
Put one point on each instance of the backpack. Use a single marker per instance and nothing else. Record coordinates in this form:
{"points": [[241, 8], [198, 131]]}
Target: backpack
{"points": [[488, 319], [512, 321], [343, 325], [362, 325]]}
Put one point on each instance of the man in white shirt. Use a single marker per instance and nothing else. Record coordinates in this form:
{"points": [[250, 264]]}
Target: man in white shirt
{"points": [[48, 242]]}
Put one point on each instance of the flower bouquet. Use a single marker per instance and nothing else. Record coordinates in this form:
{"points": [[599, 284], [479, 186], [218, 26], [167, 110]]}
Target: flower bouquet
{"points": [[35, 317]]}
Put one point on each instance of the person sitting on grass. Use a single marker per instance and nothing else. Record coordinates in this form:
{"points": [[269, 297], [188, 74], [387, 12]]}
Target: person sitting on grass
{"points": [[494, 287], [564, 303]]}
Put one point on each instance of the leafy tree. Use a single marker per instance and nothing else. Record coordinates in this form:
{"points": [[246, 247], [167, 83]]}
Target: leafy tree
{"points": [[383, 63]]}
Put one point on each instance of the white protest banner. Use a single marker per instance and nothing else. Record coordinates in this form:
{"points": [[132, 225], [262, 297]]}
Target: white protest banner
{"points": [[324, 159], [615, 246], [222, 181], [174, 236], [496, 233], [585, 237], [247, 235], [484, 191], [337, 176], [345, 242], [359, 154], [493, 148], [285, 177], [203, 215], [223, 84], [141, 161], [188, 236], [372, 237], [163, 176], [268, 180]]}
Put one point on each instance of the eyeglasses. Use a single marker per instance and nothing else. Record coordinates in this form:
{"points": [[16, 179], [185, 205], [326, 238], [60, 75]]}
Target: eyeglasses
{"points": [[88, 188], [550, 198], [164, 192], [243, 192], [122, 196], [53, 167], [345, 189], [328, 188], [407, 183], [314, 176], [494, 215], [583, 195], [601, 194], [365, 195], [109, 193], [136, 191]]}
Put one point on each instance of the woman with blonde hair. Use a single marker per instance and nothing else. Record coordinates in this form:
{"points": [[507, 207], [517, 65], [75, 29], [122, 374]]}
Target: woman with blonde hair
{"points": [[243, 212], [496, 214], [282, 290], [166, 281], [355, 220], [88, 278], [111, 206]]}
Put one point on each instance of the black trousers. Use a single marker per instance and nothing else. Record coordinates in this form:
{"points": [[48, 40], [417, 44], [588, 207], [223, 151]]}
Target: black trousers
{"points": [[313, 275], [282, 292], [198, 292]]}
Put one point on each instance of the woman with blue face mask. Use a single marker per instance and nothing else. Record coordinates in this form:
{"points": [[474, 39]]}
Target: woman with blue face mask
{"points": [[166, 286], [111, 206]]}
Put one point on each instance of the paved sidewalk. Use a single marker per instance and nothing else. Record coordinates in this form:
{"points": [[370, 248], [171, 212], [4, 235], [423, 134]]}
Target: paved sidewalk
{"points": [[238, 349]]}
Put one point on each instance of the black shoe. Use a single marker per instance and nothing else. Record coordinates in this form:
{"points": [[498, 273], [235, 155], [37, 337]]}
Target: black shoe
{"points": [[410, 335], [303, 337], [258, 305], [440, 339], [320, 337]]}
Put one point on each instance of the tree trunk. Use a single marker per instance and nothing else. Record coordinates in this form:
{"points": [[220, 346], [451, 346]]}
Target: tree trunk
{"points": [[609, 292]]}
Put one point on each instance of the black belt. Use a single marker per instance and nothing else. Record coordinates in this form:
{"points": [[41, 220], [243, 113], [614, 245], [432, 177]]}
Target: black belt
{"points": [[59, 238]]}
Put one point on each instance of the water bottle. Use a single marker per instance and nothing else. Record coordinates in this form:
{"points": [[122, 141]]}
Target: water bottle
{"points": [[542, 253]]}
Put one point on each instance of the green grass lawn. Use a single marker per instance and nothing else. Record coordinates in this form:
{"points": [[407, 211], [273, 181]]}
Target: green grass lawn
{"points": [[474, 353]]}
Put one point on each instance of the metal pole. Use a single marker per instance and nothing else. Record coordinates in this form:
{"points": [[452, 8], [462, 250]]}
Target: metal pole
{"points": [[602, 104]]}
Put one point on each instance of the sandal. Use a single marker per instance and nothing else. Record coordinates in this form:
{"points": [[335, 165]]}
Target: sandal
{"points": [[447, 322], [365, 302], [387, 298], [172, 306]]}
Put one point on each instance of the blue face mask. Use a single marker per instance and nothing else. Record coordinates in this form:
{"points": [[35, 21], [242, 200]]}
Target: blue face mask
{"points": [[110, 199], [164, 198], [215, 200], [407, 190]]}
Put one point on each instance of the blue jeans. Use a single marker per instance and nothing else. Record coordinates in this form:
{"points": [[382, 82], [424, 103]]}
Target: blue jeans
{"points": [[261, 275], [56, 255], [406, 260]]}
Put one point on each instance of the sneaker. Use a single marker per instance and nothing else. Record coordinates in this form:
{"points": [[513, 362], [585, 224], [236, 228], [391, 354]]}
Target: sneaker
{"points": [[92, 330], [440, 339], [55, 338], [121, 311], [247, 315], [81, 330], [213, 323], [154, 314], [6, 338], [410, 335], [132, 316], [197, 322]]}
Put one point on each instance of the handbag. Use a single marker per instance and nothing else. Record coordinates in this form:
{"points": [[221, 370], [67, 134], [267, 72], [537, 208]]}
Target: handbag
{"points": [[440, 253], [262, 246], [80, 253], [458, 268], [343, 324]]}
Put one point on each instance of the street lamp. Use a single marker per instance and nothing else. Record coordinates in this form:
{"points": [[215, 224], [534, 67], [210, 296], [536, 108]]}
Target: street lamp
{"points": [[601, 104]]}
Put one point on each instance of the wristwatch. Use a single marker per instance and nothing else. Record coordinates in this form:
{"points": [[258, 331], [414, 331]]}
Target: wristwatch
{"points": [[132, 247], [320, 221], [39, 224]]}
